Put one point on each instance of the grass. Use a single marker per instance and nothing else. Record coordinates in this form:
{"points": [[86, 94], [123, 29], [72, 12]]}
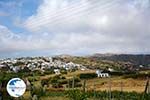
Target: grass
{"points": [[99, 84], [26, 96], [54, 98], [128, 84]]}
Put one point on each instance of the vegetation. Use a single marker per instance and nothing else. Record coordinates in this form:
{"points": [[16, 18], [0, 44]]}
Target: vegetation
{"points": [[134, 59], [67, 86], [94, 63], [74, 82], [59, 81], [138, 76], [87, 75], [76, 94]]}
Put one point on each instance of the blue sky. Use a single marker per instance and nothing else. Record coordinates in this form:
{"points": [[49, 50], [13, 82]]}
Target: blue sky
{"points": [[16, 10], [77, 27]]}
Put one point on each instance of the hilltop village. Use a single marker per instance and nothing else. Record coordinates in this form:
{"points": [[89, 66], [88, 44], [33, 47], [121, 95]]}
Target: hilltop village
{"points": [[38, 64], [59, 64]]}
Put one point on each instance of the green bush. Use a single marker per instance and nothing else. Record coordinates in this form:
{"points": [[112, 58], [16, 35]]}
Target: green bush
{"points": [[57, 81], [138, 76], [39, 91], [45, 81], [63, 71], [118, 95], [37, 72], [33, 79], [48, 72], [116, 73], [76, 95], [87, 75], [63, 81], [76, 82], [63, 77]]}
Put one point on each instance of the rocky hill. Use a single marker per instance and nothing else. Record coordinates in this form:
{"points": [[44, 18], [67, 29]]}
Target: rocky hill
{"points": [[139, 59]]}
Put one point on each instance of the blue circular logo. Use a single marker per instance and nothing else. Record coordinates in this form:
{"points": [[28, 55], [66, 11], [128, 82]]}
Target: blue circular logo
{"points": [[16, 87]]}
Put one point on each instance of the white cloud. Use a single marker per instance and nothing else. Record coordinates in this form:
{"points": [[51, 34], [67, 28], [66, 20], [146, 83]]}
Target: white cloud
{"points": [[87, 26], [11, 42], [67, 15], [95, 24], [110, 16]]}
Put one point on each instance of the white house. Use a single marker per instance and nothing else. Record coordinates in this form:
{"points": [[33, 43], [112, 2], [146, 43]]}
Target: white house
{"points": [[83, 68], [1, 66], [16, 69], [57, 71], [101, 74], [110, 69]]}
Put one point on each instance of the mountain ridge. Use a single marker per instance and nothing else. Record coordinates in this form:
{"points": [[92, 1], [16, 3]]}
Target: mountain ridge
{"points": [[136, 59]]}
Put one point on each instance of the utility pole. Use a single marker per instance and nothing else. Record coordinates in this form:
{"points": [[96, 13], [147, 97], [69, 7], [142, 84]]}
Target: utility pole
{"points": [[121, 84], [147, 89], [94, 91], [109, 88], [84, 85], [68, 83], [73, 82]]}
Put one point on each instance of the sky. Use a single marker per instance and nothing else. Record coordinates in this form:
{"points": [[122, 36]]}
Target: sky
{"points": [[75, 27]]}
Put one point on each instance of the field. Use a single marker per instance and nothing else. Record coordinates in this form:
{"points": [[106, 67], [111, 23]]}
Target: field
{"points": [[114, 83], [89, 89], [117, 82]]}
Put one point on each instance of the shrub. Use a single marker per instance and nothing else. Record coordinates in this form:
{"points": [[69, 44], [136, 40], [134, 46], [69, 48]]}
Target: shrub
{"points": [[76, 95], [76, 82], [32, 79], [63, 71], [63, 77], [37, 91], [116, 73], [118, 95], [137, 76], [87, 75], [63, 81], [45, 81], [37, 72], [48, 72], [57, 81]]}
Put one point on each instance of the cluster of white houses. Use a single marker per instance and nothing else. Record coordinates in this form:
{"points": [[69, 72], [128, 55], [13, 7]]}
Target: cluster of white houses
{"points": [[44, 63], [41, 63]]}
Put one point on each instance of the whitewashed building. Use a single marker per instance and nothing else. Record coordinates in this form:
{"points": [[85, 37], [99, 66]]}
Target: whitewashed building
{"points": [[101, 74], [57, 71]]}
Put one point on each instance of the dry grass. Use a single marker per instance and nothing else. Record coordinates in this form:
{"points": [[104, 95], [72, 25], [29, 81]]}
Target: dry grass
{"points": [[103, 83], [26, 95], [76, 73], [117, 83], [128, 85], [54, 98]]}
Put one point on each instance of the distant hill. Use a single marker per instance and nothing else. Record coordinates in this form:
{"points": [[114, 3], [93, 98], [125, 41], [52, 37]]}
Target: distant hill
{"points": [[139, 59]]}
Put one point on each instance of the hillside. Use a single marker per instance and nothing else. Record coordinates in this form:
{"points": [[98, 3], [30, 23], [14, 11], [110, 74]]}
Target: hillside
{"points": [[93, 63], [115, 61], [140, 59]]}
